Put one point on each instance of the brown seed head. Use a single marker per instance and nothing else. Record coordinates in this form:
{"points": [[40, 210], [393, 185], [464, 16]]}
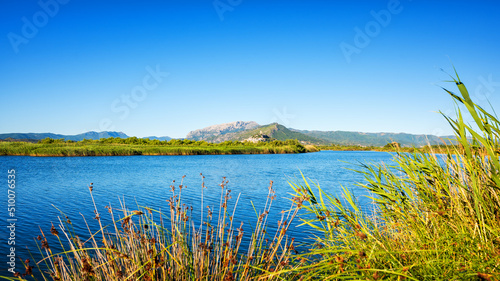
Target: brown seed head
{"points": [[54, 231], [29, 271], [45, 244], [484, 276], [361, 235]]}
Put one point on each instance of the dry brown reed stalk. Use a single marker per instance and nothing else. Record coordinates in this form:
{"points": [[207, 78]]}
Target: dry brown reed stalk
{"points": [[148, 244]]}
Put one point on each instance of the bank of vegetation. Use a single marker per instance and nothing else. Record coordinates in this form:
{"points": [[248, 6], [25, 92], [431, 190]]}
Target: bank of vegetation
{"points": [[136, 146]]}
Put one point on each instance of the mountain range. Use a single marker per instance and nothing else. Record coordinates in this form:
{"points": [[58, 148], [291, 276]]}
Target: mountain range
{"points": [[273, 131], [88, 135], [374, 139], [242, 130], [221, 132]]}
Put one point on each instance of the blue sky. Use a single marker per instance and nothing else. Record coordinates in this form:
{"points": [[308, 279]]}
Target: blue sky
{"points": [[165, 68]]}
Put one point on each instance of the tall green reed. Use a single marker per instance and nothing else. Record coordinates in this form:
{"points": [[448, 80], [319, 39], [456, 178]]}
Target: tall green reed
{"points": [[433, 217]]}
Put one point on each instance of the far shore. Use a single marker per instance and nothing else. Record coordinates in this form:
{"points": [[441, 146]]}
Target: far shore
{"points": [[58, 148], [107, 148]]}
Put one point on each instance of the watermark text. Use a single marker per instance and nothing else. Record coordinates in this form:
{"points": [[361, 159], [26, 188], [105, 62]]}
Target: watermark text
{"points": [[123, 105], [31, 26], [11, 221], [363, 36], [223, 6]]}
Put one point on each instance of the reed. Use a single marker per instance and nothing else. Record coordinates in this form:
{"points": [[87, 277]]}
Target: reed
{"points": [[148, 244], [433, 217]]}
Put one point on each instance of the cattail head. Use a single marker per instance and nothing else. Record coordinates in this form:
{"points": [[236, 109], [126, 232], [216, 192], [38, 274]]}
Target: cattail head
{"points": [[54, 231], [361, 235], [45, 244], [339, 259], [86, 267], [29, 270]]}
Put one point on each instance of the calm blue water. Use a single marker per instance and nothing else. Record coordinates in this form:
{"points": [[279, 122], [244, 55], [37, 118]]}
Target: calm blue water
{"points": [[43, 183]]}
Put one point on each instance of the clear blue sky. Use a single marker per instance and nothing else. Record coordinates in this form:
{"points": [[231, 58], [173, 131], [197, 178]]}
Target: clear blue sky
{"points": [[74, 66]]}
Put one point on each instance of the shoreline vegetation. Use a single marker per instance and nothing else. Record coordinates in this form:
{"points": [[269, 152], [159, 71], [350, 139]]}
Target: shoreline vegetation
{"points": [[134, 146]]}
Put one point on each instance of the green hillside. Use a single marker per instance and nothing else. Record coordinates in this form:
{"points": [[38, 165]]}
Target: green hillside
{"points": [[278, 132], [373, 139]]}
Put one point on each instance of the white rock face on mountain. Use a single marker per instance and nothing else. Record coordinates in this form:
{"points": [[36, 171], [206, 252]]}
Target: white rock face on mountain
{"points": [[221, 129]]}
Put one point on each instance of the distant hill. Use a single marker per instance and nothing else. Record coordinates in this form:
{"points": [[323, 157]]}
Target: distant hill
{"points": [[278, 132], [372, 139], [243, 130], [274, 131], [39, 136], [215, 131], [158, 138]]}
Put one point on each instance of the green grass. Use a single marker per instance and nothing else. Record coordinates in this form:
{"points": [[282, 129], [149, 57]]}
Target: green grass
{"points": [[114, 147], [434, 217]]}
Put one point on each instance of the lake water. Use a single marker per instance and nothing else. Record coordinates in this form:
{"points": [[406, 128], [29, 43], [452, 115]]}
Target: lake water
{"points": [[43, 183]]}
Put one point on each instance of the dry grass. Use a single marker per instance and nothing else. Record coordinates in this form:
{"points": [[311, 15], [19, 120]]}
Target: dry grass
{"points": [[147, 244]]}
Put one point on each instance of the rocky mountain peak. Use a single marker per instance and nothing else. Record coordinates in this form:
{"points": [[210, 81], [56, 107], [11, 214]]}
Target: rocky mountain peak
{"points": [[215, 130]]}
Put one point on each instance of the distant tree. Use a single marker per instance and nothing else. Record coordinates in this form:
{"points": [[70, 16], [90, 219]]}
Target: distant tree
{"points": [[175, 142], [46, 140], [392, 145], [292, 142], [155, 142]]}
